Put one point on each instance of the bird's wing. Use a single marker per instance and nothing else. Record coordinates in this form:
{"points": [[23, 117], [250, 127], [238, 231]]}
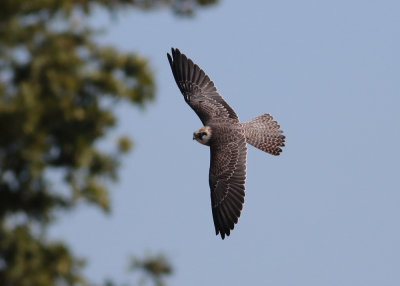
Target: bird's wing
{"points": [[198, 90], [227, 178]]}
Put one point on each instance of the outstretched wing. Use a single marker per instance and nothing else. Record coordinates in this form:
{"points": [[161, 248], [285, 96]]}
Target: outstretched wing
{"points": [[198, 90], [227, 179]]}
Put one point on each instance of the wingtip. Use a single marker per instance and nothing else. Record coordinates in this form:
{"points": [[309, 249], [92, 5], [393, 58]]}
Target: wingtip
{"points": [[174, 53], [222, 233]]}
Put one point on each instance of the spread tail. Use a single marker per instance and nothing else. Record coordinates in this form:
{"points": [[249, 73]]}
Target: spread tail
{"points": [[263, 133]]}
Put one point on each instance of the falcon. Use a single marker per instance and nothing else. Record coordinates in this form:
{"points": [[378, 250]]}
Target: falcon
{"points": [[227, 138]]}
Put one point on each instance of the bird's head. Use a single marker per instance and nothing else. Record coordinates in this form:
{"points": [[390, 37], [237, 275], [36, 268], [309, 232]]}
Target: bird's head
{"points": [[203, 135]]}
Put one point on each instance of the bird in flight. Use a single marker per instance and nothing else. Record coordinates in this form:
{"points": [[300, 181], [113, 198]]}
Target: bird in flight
{"points": [[226, 136]]}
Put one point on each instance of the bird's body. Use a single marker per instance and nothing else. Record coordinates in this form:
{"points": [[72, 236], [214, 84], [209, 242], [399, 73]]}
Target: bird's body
{"points": [[227, 138], [224, 127]]}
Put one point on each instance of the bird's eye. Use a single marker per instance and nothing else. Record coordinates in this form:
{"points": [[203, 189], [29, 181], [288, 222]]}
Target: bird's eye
{"points": [[203, 133]]}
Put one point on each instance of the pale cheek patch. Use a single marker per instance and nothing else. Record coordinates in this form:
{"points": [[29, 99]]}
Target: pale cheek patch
{"points": [[200, 141], [205, 139]]}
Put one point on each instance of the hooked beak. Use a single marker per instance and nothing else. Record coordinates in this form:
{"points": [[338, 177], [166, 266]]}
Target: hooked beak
{"points": [[194, 136]]}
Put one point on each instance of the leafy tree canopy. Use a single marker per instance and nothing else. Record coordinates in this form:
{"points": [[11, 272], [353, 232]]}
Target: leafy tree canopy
{"points": [[58, 88]]}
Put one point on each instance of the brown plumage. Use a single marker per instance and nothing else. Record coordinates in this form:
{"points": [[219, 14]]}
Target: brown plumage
{"points": [[263, 133], [227, 138]]}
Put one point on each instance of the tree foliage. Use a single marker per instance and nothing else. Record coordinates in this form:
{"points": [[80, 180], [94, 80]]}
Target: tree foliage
{"points": [[153, 268], [58, 88]]}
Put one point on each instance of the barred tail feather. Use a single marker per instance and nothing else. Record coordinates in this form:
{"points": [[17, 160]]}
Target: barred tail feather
{"points": [[263, 133]]}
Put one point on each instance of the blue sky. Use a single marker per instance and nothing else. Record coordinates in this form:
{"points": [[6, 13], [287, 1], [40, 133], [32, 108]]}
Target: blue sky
{"points": [[325, 212]]}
